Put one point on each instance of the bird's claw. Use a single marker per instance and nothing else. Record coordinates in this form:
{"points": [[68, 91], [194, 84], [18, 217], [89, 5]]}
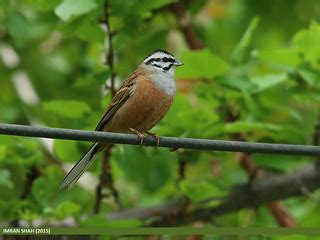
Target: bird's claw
{"points": [[155, 136], [139, 134]]}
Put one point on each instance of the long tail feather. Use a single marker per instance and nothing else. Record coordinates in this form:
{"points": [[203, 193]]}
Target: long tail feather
{"points": [[75, 173]]}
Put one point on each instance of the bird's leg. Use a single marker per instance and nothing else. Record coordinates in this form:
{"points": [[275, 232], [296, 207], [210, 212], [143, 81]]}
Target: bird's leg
{"points": [[155, 136], [139, 134]]}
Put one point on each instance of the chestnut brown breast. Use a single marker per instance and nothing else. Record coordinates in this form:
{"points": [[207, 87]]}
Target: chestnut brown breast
{"points": [[143, 110]]}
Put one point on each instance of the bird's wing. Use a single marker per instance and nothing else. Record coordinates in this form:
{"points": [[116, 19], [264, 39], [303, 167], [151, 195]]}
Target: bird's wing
{"points": [[122, 95]]}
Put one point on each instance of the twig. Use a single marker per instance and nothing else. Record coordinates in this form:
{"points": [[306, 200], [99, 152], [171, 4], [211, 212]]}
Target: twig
{"points": [[181, 14], [182, 164], [281, 214], [106, 175], [277, 209], [171, 208], [32, 175], [105, 180], [109, 59]]}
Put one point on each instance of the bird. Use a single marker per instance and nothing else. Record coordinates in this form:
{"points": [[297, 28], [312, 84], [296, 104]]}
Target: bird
{"points": [[140, 103]]}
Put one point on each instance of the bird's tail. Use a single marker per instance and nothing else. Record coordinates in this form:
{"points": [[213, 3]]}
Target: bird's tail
{"points": [[75, 173]]}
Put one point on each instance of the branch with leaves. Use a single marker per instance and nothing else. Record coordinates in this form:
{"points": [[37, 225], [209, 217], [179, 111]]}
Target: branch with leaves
{"points": [[261, 191], [277, 209]]}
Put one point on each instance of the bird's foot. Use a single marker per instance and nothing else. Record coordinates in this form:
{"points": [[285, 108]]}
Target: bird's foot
{"points": [[139, 134], [155, 136]]}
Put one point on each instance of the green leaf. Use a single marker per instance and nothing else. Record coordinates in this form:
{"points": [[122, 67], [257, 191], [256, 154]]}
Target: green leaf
{"points": [[6, 5], [67, 108], [43, 5], [155, 162], [251, 103], [268, 81], [295, 237], [27, 152], [70, 8], [90, 31], [67, 209], [241, 50], [26, 212], [311, 76], [102, 76], [84, 28], [280, 162], [137, 8], [281, 56], [238, 82], [245, 126], [199, 191], [66, 150], [18, 27], [44, 189], [8, 209], [5, 179], [3, 151], [145, 6], [308, 214], [307, 42], [95, 221], [201, 64], [182, 115]]}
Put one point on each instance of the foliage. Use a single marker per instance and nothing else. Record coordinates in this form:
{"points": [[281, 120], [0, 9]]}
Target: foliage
{"points": [[261, 71]]}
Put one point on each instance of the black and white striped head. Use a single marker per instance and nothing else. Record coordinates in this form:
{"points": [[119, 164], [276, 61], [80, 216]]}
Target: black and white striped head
{"points": [[161, 60]]}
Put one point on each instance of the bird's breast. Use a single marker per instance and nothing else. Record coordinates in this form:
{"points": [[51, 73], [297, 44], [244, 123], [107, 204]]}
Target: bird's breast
{"points": [[144, 109], [165, 82]]}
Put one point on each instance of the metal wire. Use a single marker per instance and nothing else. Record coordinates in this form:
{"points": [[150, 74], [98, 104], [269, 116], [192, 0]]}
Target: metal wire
{"points": [[169, 142]]}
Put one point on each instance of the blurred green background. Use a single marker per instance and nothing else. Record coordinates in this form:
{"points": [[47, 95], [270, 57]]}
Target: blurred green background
{"points": [[253, 76]]}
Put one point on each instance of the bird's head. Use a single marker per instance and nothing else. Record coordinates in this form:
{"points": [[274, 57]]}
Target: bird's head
{"points": [[161, 61]]}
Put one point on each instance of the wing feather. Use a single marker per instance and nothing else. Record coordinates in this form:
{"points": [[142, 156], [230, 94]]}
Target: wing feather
{"points": [[124, 93]]}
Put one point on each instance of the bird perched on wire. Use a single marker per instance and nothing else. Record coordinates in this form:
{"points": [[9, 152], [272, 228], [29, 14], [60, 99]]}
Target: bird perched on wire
{"points": [[139, 104]]}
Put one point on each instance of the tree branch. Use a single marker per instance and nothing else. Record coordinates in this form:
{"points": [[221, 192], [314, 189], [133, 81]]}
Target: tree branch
{"points": [[182, 164], [106, 180], [278, 210], [172, 207], [179, 10], [261, 191], [106, 174], [109, 60]]}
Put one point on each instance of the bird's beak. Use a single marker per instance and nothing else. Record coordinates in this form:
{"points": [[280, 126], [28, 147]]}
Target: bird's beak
{"points": [[177, 63]]}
